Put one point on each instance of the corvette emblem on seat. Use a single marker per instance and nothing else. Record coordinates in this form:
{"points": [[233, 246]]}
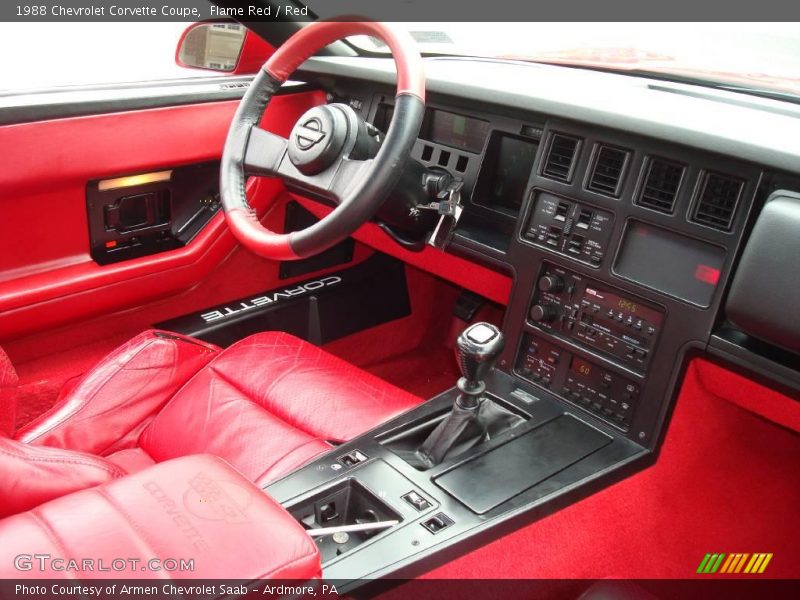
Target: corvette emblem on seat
{"points": [[309, 133]]}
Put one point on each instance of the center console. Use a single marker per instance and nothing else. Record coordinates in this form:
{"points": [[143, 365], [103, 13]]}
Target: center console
{"points": [[469, 464], [621, 250]]}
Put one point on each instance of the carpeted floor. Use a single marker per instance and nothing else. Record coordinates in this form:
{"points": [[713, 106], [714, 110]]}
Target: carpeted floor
{"points": [[727, 481]]}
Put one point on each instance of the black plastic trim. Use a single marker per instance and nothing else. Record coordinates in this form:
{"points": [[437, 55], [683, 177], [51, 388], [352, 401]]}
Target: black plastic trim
{"points": [[62, 103]]}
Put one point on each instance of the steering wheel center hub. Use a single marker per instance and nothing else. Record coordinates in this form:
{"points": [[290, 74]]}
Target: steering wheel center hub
{"points": [[317, 139]]}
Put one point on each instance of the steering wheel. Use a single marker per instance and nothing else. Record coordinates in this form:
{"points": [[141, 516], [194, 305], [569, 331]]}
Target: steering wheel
{"points": [[330, 151]]}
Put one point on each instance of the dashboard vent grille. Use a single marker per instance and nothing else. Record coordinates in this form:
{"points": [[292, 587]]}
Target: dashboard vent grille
{"points": [[717, 200], [609, 164], [661, 183], [561, 157]]}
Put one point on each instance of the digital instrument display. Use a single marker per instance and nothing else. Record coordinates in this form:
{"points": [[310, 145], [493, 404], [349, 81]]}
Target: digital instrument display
{"points": [[581, 367], [691, 273], [456, 131], [506, 170], [442, 127]]}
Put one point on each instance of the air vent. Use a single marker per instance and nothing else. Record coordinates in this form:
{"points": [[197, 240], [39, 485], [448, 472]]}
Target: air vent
{"points": [[609, 164], [561, 157], [717, 200], [661, 183]]}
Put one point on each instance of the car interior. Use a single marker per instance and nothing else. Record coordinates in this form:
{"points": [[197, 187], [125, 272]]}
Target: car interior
{"points": [[371, 318]]}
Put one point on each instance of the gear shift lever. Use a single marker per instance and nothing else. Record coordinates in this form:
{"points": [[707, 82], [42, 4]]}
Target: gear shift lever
{"points": [[477, 348], [472, 417]]}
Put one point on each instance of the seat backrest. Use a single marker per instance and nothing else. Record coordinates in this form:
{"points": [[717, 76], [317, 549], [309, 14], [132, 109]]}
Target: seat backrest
{"points": [[109, 406], [32, 475]]}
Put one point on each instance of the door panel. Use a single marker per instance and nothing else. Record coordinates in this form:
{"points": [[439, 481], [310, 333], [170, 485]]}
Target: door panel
{"points": [[47, 277]]}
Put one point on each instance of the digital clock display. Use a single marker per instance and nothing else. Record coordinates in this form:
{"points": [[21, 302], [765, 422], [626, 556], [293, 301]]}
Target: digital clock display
{"points": [[627, 305], [581, 367]]}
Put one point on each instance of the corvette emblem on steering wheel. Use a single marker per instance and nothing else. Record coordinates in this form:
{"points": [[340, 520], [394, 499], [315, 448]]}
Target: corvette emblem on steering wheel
{"points": [[309, 133]]}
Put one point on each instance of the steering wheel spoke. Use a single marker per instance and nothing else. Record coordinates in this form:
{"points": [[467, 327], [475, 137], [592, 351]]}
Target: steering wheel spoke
{"points": [[349, 174], [264, 153], [331, 152]]}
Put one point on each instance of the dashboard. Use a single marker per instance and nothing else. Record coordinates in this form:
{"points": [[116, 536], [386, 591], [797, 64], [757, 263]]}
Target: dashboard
{"points": [[622, 235]]}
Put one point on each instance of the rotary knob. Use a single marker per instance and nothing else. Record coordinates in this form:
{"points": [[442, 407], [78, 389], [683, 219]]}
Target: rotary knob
{"points": [[543, 312], [551, 283]]}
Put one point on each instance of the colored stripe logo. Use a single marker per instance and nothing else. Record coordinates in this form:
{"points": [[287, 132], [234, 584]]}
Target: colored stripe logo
{"points": [[735, 562]]}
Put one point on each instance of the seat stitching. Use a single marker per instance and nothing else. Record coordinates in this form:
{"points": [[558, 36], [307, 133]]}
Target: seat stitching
{"points": [[247, 397], [113, 470], [52, 535], [141, 535], [82, 403]]}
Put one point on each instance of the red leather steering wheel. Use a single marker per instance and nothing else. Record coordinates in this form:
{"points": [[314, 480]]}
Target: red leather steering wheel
{"points": [[328, 151]]}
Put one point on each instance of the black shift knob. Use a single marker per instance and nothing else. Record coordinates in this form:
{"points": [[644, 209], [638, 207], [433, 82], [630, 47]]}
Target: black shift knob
{"points": [[477, 348]]}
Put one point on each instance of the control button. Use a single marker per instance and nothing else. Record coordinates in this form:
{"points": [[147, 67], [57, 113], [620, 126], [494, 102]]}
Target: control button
{"points": [[650, 330], [638, 325], [595, 260], [551, 283], [543, 312], [437, 522], [417, 501], [353, 458]]}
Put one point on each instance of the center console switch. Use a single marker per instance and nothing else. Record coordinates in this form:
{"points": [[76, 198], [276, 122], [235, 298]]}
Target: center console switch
{"points": [[572, 306], [570, 228]]}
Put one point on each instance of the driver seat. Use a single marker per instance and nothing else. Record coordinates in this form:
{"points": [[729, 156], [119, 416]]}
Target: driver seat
{"points": [[267, 405]]}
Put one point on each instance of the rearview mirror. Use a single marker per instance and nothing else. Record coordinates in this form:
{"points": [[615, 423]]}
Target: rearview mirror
{"points": [[214, 46]]}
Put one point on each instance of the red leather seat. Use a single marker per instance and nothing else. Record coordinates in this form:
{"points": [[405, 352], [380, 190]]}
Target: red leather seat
{"points": [[267, 405], [195, 517]]}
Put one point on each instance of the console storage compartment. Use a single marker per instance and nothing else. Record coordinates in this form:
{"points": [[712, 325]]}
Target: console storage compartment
{"points": [[347, 503], [486, 481]]}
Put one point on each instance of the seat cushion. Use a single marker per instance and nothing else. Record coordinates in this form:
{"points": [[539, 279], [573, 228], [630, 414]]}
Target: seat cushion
{"points": [[132, 460], [106, 409], [269, 404], [8, 400], [35, 474], [194, 509]]}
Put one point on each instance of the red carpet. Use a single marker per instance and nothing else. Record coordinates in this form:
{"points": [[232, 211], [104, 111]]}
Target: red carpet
{"points": [[415, 352], [726, 481]]}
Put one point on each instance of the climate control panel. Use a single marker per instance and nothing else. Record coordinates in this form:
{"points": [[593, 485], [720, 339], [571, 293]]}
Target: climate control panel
{"points": [[573, 306], [570, 228], [600, 391]]}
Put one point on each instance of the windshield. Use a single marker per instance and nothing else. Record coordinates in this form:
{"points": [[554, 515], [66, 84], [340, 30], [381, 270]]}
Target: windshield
{"points": [[762, 56]]}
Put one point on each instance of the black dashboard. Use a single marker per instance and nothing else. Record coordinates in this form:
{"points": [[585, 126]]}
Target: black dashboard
{"points": [[622, 248]]}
